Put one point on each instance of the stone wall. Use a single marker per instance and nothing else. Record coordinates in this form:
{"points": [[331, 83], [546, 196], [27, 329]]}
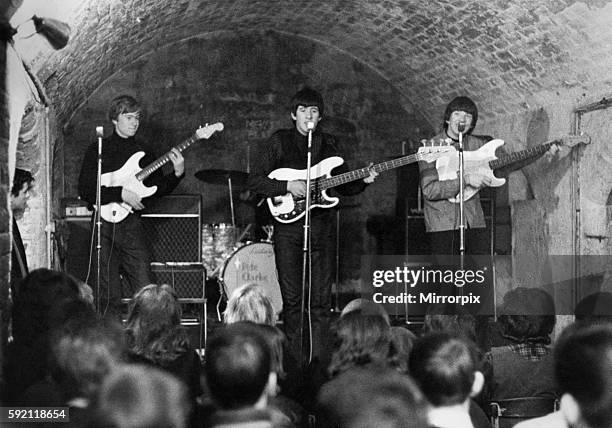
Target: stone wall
{"points": [[246, 81]]}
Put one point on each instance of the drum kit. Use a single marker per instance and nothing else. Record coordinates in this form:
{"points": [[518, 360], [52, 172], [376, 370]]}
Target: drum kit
{"points": [[230, 259]]}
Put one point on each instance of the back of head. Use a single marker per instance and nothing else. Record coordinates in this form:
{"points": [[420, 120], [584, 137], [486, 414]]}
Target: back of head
{"points": [[39, 292], [21, 177], [372, 397], [461, 104], [307, 97], [237, 367], [141, 397], [594, 308], [249, 303], [84, 350], [527, 315], [583, 368], [360, 339], [366, 307], [444, 367], [154, 324], [451, 319], [123, 104]]}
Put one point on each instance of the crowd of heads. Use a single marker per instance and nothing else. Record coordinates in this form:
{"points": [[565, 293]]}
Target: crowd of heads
{"points": [[377, 374]]}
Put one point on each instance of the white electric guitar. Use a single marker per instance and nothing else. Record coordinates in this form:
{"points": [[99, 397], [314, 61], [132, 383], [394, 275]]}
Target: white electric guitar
{"points": [[131, 175], [483, 161], [287, 209]]}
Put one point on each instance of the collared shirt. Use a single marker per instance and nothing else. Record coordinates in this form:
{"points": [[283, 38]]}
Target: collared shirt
{"points": [[449, 417], [440, 213], [530, 351]]}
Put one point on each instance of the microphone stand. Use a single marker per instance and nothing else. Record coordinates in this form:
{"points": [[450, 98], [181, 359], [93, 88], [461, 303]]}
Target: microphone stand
{"points": [[99, 134], [461, 129], [305, 252]]}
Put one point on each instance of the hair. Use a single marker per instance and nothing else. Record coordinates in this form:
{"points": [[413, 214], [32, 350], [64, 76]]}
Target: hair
{"points": [[37, 294], [583, 368], [527, 315], [452, 319], [594, 308], [84, 351], [21, 177], [359, 340], [249, 303], [154, 325], [444, 367], [461, 104], [138, 396], [274, 338], [402, 340], [363, 398], [366, 307], [307, 97], [237, 366], [123, 104]]}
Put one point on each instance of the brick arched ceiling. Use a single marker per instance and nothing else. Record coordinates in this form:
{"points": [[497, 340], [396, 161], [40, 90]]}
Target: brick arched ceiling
{"points": [[502, 52]]}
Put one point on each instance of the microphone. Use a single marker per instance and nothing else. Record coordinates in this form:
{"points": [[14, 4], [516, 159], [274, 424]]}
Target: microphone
{"points": [[99, 131], [310, 125], [461, 127]]}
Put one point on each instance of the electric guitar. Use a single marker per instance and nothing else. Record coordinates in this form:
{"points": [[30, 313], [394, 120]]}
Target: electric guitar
{"points": [[288, 209], [131, 175], [483, 161]]}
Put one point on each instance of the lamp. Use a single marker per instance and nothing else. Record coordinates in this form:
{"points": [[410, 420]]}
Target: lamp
{"points": [[56, 32]]}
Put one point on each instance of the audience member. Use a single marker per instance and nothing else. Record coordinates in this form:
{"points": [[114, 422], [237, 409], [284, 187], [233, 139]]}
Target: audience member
{"points": [[595, 308], [583, 370], [239, 377], [451, 319], [361, 340], [364, 397], [155, 335], [84, 350], [249, 303], [524, 368], [26, 357], [139, 396], [446, 369], [366, 307]]}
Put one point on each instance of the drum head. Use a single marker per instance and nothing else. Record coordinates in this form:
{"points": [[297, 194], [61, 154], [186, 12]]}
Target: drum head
{"points": [[253, 264]]}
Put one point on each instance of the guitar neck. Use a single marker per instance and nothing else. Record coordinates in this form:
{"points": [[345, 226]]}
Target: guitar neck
{"points": [[162, 160], [505, 160], [357, 174]]}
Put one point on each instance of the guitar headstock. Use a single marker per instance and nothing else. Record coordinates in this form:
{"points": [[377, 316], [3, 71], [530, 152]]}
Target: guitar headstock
{"points": [[207, 130], [573, 140], [432, 153]]}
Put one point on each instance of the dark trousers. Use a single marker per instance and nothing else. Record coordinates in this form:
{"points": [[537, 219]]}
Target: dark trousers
{"points": [[477, 242], [124, 252], [288, 251]]}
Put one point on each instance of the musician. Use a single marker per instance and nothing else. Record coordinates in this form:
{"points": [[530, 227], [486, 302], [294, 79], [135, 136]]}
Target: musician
{"points": [[442, 215], [287, 148], [125, 249]]}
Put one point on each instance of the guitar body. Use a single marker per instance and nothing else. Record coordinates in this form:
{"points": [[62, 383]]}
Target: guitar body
{"points": [[476, 162], [124, 177], [285, 208]]}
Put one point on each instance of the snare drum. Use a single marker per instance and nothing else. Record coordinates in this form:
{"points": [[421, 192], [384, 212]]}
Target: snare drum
{"points": [[253, 264], [218, 243]]}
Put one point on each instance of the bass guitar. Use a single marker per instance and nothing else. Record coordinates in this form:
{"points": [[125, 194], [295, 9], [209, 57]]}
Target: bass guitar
{"points": [[288, 209], [483, 161], [131, 175]]}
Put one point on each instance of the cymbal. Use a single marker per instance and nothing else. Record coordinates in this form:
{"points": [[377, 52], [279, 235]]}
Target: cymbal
{"points": [[221, 176]]}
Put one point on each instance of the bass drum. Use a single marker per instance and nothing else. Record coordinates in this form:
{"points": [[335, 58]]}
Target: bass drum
{"points": [[253, 264]]}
